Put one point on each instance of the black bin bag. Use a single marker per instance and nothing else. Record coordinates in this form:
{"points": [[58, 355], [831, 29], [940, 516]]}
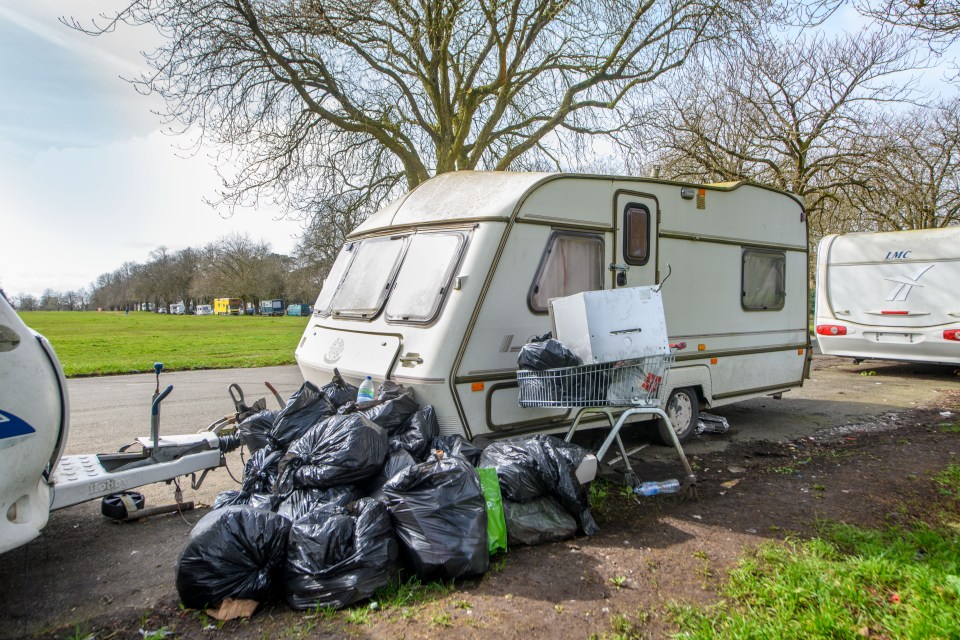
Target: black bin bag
{"points": [[538, 521], [416, 433], [344, 449], [230, 498], [267, 501], [338, 556], [305, 408], [521, 479], [529, 467], [457, 445], [261, 470], [234, 552], [549, 354], [393, 408], [255, 430], [396, 462], [338, 391], [300, 502], [440, 518]]}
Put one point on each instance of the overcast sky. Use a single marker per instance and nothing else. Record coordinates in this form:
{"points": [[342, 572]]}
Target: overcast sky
{"points": [[87, 178]]}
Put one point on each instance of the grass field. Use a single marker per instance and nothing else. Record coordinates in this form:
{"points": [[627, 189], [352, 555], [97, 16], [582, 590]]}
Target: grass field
{"points": [[847, 582], [99, 343]]}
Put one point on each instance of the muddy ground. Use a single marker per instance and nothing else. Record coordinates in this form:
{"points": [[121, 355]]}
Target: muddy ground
{"points": [[85, 576]]}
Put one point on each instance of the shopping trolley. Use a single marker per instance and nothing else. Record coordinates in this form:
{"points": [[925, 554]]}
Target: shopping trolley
{"points": [[628, 387]]}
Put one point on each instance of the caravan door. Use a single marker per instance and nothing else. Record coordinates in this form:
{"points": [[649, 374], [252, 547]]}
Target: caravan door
{"points": [[635, 239]]}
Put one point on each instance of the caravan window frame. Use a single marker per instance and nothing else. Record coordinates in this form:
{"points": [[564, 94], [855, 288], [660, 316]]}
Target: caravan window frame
{"points": [[628, 257], [445, 282], [348, 247], [781, 285], [552, 239], [370, 313]]}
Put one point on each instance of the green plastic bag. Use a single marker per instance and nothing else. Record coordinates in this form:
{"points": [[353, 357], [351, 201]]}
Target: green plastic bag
{"points": [[496, 523]]}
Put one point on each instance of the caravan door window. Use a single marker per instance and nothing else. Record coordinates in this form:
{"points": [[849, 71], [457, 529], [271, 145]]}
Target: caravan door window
{"points": [[636, 237], [333, 279], [367, 282], [424, 276], [573, 262], [763, 279]]}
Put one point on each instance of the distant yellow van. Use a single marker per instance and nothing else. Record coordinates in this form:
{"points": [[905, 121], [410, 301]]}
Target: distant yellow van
{"points": [[227, 306]]}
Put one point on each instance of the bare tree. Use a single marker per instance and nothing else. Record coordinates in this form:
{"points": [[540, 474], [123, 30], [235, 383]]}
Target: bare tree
{"points": [[50, 300], [937, 21], [233, 266], [26, 302], [792, 115], [334, 105], [913, 182]]}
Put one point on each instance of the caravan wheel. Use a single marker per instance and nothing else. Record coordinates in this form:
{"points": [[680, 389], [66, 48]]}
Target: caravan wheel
{"points": [[683, 410]]}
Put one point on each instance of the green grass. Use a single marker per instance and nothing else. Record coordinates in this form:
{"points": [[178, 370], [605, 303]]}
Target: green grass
{"points": [[948, 481], [410, 592], [99, 343], [847, 582]]}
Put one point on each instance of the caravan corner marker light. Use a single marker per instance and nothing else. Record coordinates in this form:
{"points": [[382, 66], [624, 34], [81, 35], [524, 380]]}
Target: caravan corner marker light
{"points": [[951, 334]]}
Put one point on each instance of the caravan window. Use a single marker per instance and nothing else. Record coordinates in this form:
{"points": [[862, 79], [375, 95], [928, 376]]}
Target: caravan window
{"points": [[636, 234], [367, 282], [424, 276], [763, 280], [332, 281], [573, 262]]}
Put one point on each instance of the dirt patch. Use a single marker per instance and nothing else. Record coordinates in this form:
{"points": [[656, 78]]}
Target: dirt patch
{"points": [[649, 553]]}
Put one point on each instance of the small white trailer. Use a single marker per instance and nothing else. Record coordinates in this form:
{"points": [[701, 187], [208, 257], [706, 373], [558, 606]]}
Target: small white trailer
{"points": [[890, 296], [441, 289]]}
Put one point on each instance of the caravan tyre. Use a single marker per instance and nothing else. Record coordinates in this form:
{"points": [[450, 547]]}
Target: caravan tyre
{"points": [[683, 410], [114, 507]]}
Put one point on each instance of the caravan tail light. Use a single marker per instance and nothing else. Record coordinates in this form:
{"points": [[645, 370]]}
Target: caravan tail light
{"points": [[831, 330], [951, 334]]}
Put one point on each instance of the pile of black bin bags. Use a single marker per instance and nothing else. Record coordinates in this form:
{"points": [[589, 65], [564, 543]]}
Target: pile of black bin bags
{"points": [[338, 496]]}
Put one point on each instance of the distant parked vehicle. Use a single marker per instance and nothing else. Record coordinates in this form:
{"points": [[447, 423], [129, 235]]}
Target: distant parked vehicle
{"points": [[227, 306], [890, 295], [271, 308], [178, 308], [162, 309], [298, 310], [204, 310]]}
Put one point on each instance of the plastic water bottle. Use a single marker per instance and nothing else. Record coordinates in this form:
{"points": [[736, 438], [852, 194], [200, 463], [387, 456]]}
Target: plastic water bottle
{"points": [[365, 392], [652, 488]]}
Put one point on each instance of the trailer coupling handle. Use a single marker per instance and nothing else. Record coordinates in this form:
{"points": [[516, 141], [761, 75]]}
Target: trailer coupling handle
{"points": [[155, 407]]}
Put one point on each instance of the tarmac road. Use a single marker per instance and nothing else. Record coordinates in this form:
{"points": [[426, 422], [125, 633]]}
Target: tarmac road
{"points": [[83, 565]]}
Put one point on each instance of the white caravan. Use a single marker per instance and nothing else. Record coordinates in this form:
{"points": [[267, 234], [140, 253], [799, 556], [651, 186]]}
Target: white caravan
{"points": [[441, 289], [890, 296]]}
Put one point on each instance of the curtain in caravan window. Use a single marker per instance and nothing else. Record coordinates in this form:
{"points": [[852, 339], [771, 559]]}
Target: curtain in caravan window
{"points": [[573, 263], [763, 279]]}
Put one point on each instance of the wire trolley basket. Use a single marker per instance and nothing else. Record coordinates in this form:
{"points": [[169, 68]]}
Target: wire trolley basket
{"points": [[625, 383]]}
